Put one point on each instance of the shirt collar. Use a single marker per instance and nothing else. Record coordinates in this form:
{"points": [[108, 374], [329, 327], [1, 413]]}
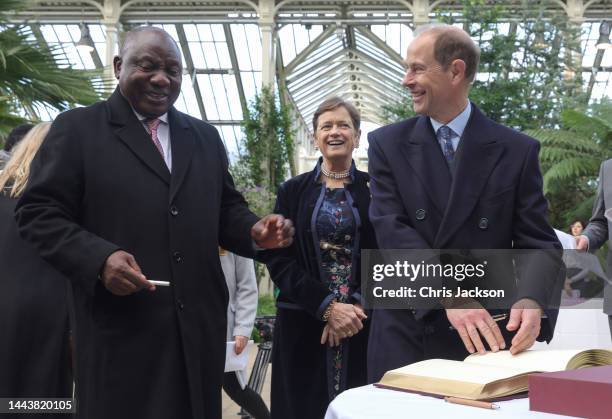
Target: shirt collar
{"points": [[141, 118], [458, 124]]}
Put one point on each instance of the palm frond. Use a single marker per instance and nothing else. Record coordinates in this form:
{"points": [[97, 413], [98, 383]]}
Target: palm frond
{"points": [[12, 5], [32, 77], [8, 121]]}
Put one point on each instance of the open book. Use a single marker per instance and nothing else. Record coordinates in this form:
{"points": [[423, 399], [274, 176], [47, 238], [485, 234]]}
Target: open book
{"points": [[488, 376]]}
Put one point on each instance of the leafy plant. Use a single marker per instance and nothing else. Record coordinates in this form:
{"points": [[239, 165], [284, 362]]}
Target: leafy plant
{"points": [[570, 158], [35, 76], [268, 144], [267, 156]]}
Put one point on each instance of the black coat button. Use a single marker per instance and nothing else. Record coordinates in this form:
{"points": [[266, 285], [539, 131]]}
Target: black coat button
{"points": [[483, 224], [180, 304], [420, 214], [178, 258], [174, 211]]}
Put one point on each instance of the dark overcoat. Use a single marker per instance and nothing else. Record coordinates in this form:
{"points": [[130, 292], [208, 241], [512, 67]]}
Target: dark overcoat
{"points": [[34, 353], [97, 185], [491, 198], [300, 380]]}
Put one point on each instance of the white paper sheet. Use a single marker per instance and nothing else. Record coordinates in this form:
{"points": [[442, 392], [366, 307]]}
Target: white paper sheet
{"points": [[235, 362]]}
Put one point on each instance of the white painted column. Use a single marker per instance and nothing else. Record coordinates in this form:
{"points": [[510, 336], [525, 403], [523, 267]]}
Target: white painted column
{"points": [[267, 26], [112, 12], [420, 11]]}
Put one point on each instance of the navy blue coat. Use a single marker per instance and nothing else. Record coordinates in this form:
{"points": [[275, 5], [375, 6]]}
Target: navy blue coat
{"points": [[300, 381], [492, 199]]}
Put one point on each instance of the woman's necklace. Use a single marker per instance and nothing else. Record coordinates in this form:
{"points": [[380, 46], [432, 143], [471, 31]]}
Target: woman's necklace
{"points": [[335, 175]]}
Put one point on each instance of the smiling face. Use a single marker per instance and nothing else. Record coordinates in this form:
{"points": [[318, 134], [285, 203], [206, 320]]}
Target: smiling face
{"points": [[149, 72], [436, 92], [336, 137]]}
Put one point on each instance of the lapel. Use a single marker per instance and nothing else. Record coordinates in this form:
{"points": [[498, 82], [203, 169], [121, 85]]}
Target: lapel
{"points": [[479, 156], [424, 155], [183, 147], [130, 130]]}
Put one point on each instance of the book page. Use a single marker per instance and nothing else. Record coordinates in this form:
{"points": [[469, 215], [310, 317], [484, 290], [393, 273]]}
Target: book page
{"points": [[445, 369], [544, 360]]}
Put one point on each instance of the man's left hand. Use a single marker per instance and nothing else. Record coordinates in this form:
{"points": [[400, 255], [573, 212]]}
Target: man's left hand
{"points": [[525, 315], [273, 231]]}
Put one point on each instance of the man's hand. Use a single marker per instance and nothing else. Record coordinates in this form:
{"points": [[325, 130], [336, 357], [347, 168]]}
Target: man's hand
{"points": [[240, 342], [345, 319], [471, 324], [582, 243], [273, 231], [122, 276], [527, 314], [330, 337]]}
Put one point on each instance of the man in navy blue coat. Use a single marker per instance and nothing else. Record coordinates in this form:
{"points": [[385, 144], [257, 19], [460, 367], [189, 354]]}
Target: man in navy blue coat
{"points": [[451, 178]]}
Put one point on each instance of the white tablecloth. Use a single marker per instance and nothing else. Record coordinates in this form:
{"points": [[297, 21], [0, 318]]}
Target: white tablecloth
{"points": [[369, 402]]}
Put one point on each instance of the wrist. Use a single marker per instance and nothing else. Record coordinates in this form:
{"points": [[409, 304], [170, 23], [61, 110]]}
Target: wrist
{"points": [[328, 311]]}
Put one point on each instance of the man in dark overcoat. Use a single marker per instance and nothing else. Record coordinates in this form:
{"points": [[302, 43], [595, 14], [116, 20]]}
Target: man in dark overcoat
{"points": [[128, 191], [451, 178]]}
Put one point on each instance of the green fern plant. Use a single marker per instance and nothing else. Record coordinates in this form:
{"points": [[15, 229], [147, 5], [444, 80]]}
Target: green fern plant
{"points": [[570, 157], [575, 150]]}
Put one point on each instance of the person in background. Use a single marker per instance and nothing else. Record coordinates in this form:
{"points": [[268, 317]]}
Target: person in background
{"points": [[34, 325], [576, 228], [598, 231], [576, 276], [12, 139], [321, 329], [239, 275]]}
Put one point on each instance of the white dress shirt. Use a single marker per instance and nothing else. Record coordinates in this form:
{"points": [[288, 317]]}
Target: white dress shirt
{"points": [[457, 126]]}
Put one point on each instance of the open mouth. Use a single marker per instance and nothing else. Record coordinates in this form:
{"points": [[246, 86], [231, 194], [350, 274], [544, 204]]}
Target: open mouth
{"points": [[335, 142]]}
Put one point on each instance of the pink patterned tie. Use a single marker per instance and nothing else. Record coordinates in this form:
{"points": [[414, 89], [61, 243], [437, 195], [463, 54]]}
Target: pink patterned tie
{"points": [[153, 124]]}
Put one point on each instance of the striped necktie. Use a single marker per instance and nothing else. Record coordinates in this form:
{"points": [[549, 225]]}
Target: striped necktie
{"points": [[153, 124]]}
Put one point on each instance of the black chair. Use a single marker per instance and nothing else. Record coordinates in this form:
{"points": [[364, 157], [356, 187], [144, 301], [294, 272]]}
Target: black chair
{"points": [[265, 327]]}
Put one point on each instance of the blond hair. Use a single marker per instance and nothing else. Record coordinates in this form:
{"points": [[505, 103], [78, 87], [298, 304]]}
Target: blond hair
{"points": [[17, 170]]}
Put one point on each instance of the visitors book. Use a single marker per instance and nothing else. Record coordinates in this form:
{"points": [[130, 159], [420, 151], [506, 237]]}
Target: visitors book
{"points": [[489, 376]]}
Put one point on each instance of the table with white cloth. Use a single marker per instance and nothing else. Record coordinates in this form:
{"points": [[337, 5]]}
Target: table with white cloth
{"points": [[369, 402]]}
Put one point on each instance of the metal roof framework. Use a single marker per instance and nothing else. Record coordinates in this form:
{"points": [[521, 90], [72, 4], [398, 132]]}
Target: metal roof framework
{"points": [[313, 48]]}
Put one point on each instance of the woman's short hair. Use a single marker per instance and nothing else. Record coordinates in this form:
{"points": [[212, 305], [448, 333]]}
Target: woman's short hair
{"points": [[334, 103]]}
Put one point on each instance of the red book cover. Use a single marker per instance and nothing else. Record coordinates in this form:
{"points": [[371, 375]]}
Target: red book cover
{"points": [[585, 392]]}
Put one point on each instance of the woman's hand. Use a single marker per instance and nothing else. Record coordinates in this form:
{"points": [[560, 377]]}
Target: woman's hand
{"points": [[345, 320], [240, 342], [328, 336]]}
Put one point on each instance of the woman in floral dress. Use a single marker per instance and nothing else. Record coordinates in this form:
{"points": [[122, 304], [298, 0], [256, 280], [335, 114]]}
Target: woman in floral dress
{"points": [[320, 335]]}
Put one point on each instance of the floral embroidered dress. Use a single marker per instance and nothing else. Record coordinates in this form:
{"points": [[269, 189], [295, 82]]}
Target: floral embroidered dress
{"points": [[336, 230]]}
